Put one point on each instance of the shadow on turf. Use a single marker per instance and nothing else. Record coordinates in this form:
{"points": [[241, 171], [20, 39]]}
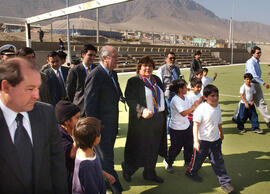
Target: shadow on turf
{"points": [[245, 169], [227, 102]]}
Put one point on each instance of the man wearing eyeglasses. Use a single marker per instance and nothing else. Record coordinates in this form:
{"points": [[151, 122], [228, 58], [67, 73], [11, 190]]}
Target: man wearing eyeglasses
{"points": [[167, 73], [253, 67]]}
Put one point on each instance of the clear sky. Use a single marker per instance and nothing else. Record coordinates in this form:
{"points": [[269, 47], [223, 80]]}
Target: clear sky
{"points": [[244, 10]]}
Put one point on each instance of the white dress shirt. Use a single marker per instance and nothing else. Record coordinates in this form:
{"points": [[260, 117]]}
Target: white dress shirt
{"points": [[10, 117]]}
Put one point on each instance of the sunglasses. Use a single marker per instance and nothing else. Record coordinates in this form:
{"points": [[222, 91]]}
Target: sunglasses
{"points": [[172, 58], [258, 53]]}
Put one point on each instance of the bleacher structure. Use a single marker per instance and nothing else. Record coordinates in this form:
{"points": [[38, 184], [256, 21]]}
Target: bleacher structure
{"points": [[129, 55]]}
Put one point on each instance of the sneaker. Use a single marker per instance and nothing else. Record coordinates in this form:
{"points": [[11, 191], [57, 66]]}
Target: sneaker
{"points": [[168, 167], [195, 177], [258, 130], [243, 131], [228, 188]]}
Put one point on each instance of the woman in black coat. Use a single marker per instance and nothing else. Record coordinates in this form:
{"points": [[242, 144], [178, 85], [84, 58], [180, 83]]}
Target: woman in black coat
{"points": [[146, 136]]}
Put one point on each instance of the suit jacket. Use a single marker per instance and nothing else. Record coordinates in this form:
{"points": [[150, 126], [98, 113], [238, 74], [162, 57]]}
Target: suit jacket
{"points": [[102, 97], [75, 85], [44, 94], [48, 156], [54, 85]]}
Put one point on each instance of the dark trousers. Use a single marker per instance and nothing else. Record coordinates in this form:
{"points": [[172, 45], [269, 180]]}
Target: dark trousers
{"points": [[244, 114], [179, 139], [216, 159], [106, 150], [168, 103]]}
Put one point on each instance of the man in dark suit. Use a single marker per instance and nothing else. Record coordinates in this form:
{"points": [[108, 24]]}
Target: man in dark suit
{"points": [[77, 75], [31, 156], [56, 75], [29, 53], [102, 94]]}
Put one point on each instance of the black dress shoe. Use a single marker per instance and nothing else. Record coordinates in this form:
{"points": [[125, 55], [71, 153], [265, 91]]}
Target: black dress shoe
{"points": [[155, 179], [126, 176]]}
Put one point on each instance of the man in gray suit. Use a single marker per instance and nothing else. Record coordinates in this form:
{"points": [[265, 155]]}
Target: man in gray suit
{"points": [[31, 156]]}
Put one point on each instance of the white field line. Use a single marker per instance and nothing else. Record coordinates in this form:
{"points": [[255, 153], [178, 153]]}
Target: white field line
{"points": [[184, 69], [234, 96]]}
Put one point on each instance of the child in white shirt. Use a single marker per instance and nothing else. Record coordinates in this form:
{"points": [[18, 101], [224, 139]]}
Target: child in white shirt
{"points": [[180, 130], [208, 136], [246, 107]]}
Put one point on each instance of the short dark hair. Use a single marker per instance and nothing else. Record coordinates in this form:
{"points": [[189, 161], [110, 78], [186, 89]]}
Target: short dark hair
{"points": [[146, 60], [253, 50], [53, 54], [62, 55], [205, 69], [10, 70], [248, 75], [169, 53], [22, 52], [197, 53], [194, 81], [209, 89], [176, 84], [86, 131], [88, 47], [199, 71]]}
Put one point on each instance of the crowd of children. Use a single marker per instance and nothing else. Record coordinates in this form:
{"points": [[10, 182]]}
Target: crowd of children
{"points": [[195, 125]]}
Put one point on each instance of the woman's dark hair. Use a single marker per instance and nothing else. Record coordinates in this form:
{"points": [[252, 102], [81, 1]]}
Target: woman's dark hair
{"points": [[86, 131], [209, 89], [146, 60], [176, 84]]}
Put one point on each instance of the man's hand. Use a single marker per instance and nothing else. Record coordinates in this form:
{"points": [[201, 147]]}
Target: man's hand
{"points": [[108, 177], [146, 114], [266, 85], [251, 103], [246, 105]]}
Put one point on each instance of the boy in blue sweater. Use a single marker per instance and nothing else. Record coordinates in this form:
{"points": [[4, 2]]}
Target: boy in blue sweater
{"points": [[87, 177]]}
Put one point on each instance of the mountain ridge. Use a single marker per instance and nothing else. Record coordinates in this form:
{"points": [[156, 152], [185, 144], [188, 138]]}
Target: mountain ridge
{"points": [[184, 17]]}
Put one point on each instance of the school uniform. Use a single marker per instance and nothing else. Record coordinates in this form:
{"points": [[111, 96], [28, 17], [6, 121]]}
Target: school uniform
{"points": [[181, 133], [245, 113], [209, 118]]}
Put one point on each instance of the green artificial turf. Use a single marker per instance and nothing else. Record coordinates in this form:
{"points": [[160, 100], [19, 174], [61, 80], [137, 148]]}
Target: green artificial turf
{"points": [[247, 156]]}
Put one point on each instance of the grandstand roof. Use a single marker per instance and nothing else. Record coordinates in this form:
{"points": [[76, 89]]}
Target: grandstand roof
{"points": [[79, 23]]}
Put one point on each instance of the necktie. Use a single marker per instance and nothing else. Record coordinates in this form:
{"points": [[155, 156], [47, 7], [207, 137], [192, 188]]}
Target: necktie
{"points": [[114, 83], [62, 84], [23, 146], [88, 70]]}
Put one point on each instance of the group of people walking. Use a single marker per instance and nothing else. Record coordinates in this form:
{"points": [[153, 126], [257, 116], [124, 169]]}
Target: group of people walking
{"points": [[84, 103]]}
